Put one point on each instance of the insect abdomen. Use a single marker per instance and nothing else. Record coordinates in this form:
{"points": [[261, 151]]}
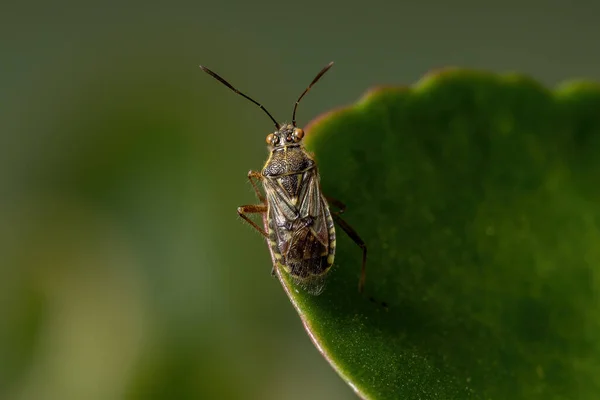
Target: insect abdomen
{"points": [[272, 240], [299, 251]]}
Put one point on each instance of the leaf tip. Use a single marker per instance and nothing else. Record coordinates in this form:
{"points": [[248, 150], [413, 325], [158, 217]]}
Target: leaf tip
{"points": [[573, 87], [324, 116], [380, 90]]}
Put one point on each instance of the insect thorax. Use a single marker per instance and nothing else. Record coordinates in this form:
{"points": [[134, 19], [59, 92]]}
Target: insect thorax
{"points": [[287, 165]]}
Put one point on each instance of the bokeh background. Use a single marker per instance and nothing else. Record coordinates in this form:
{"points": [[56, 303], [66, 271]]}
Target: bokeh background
{"points": [[124, 270]]}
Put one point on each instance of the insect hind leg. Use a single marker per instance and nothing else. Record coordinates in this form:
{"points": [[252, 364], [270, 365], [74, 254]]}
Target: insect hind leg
{"points": [[359, 242], [354, 236], [335, 202]]}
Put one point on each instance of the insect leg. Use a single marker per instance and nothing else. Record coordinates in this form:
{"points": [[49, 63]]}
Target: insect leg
{"points": [[341, 206], [354, 236], [253, 209], [254, 176]]}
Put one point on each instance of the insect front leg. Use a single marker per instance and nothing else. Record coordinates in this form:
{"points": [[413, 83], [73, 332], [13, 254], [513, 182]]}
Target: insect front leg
{"points": [[253, 209], [354, 236], [253, 177]]}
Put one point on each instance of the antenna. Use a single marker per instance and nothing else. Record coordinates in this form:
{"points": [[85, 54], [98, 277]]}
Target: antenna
{"points": [[224, 82], [319, 75]]}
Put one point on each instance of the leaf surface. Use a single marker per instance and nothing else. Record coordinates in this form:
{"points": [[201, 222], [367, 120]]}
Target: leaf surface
{"points": [[478, 196]]}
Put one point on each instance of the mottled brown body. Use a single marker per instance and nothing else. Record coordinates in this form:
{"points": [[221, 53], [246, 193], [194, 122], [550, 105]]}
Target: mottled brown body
{"points": [[301, 233], [298, 224]]}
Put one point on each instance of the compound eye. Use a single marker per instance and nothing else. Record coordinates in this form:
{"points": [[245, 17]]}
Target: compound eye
{"points": [[271, 139], [298, 134]]}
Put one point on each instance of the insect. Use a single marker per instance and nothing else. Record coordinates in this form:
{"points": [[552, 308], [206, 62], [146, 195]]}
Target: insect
{"points": [[297, 222]]}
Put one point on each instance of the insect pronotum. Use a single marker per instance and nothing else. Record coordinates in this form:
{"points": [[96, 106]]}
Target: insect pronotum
{"points": [[297, 222]]}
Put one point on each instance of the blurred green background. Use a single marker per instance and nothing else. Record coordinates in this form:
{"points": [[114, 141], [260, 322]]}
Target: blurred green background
{"points": [[124, 270]]}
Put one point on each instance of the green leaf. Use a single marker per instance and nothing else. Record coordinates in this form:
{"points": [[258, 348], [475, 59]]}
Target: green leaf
{"points": [[478, 196]]}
